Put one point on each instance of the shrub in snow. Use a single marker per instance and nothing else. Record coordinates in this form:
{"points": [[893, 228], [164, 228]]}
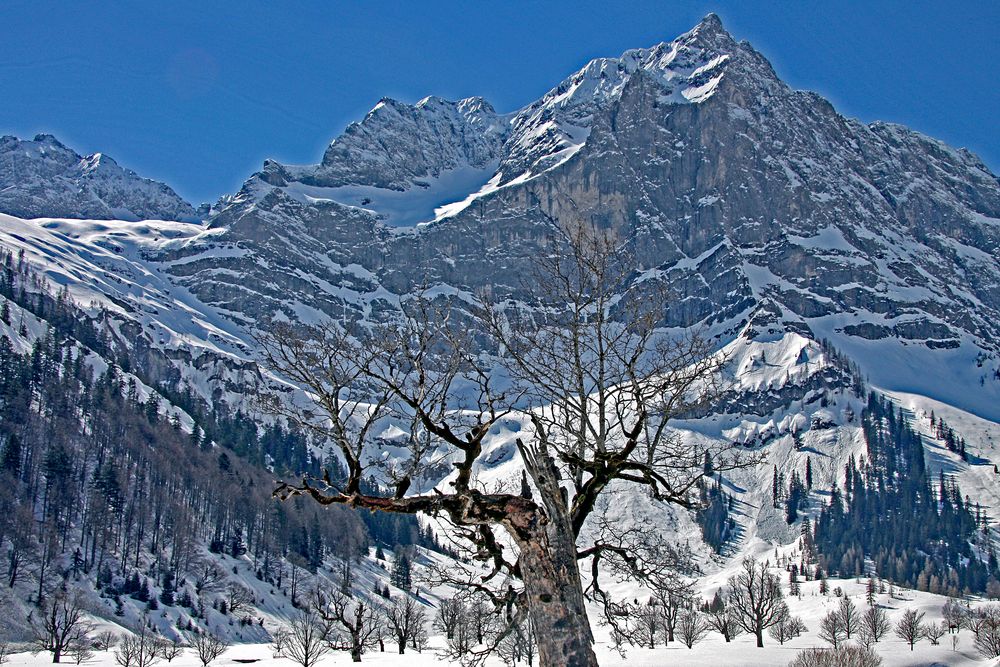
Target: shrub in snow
{"points": [[845, 656]]}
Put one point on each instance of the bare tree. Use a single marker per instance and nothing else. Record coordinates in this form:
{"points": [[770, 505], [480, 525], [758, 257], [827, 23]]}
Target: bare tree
{"points": [[668, 604], [238, 597], [171, 648], [647, 625], [909, 628], [208, 577], [60, 623], [755, 597], [352, 624], [691, 627], [519, 645], [954, 613], [787, 628], [849, 617], [724, 622], [80, 650], [935, 631], [138, 650], [448, 616], [831, 629], [304, 640], [592, 372], [105, 641], [987, 640], [209, 647], [875, 623], [404, 617]]}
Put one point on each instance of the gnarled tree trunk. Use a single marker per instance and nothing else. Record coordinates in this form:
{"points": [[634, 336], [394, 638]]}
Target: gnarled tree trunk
{"points": [[555, 598]]}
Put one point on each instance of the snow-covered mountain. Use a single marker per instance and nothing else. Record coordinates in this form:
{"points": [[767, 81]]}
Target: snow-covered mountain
{"points": [[44, 178], [781, 228], [750, 200]]}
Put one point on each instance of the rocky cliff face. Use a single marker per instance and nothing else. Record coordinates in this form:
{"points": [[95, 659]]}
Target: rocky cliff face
{"points": [[759, 207], [44, 178], [752, 201]]}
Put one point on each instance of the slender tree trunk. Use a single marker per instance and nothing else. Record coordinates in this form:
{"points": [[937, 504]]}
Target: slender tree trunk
{"points": [[555, 597], [760, 637]]}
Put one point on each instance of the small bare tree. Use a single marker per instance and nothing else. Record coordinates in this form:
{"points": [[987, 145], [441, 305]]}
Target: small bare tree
{"points": [[910, 628], [987, 639], [755, 597], [448, 616], [647, 625], [304, 641], [691, 627], [209, 647], [787, 628], [845, 656], [404, 617], [849, 616], [594, 374], [668, 604], [352, 624], [724, 622], [171, 648], [138, 650], [60, 623], [80, 650], [238, 598], [875, 623], [831, 629], [208, 576], [105, 641], [519, 645], [934, 632]]}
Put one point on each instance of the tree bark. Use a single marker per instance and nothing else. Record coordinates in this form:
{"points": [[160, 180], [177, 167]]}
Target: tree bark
{"points": [[555, 599]]}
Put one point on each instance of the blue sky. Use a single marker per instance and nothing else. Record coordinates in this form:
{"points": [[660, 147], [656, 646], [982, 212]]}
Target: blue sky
{"points": [[197, 94]]}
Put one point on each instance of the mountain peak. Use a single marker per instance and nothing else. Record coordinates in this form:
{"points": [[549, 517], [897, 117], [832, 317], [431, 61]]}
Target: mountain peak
{"points": [[43, 177]]}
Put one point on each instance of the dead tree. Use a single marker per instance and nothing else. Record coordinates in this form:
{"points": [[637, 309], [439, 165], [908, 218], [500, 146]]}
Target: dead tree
{"points": [[593, 375], [755, 597], [60, 623]]}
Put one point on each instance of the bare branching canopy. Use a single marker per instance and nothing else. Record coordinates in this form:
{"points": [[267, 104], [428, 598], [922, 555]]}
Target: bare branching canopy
{"points": [[583, 368]]}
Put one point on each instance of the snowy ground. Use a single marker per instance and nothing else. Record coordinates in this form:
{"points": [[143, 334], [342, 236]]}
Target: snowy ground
{"points": [[811, 607]]}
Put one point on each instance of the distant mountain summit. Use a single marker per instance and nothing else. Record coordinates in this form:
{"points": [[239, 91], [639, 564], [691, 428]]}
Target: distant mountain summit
{"points": [[44, 178]]}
